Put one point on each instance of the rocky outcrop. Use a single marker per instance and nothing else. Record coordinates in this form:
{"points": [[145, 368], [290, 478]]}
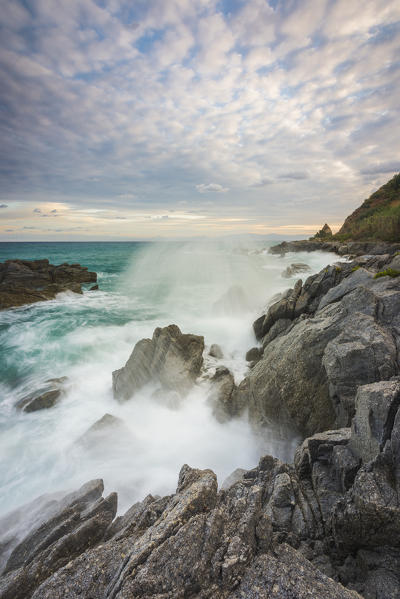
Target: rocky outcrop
{"points": [[295, 269], [322, 340], [45, 397], [29, 281], [170, 358], [343, 248], [329, 521], [222, 396], [324, 233]]}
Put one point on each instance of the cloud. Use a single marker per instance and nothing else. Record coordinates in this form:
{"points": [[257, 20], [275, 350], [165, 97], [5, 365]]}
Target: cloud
{"points": [[154, 96], [211, 188], [377, 169], [3, 206], [295, 176]]}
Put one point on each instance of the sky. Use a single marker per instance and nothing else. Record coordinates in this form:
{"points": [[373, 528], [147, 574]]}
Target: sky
{"points": [[142, 119]]}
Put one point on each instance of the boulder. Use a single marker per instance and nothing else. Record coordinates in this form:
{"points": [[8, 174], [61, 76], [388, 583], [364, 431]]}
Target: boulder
{"points": [[347, 335], [376, 406], [295, 269], [222, 396], [216, 351], [28, 281], [44, 398], [170, 358]]}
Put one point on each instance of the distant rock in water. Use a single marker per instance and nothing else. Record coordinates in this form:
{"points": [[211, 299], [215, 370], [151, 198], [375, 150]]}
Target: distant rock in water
{"points": [[216, 351], [44, 398], [295, 269], [170, 358], [29, 281]]}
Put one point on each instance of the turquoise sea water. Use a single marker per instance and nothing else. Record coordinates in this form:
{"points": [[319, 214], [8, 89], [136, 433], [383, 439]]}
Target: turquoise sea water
{"points": [[86, 337]]}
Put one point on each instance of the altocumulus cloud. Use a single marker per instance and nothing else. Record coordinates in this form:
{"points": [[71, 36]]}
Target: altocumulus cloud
{"points": [[211, 187], [102, 97]]}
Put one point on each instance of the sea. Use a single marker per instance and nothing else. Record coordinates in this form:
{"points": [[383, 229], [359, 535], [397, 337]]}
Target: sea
{"points": [[213, 288]]}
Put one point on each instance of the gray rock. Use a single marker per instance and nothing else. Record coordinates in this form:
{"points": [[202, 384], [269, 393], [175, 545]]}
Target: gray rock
{"points": [[170, 358], [234, 477], [254, 354], [376, 407], [44, 398], [216, 351], [295, 269], [222, 394]]}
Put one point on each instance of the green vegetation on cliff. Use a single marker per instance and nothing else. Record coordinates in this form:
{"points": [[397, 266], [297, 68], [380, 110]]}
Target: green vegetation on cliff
{"points": [[378, 218]]}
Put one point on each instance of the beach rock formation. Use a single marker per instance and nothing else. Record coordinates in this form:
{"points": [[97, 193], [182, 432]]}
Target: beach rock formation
{"points": [[45, 397], [29, 281], [170, 358], [295, 269], [321, 341]]}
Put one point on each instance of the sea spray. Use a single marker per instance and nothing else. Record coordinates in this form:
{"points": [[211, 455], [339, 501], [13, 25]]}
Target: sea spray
{"points": [[87, 337]]}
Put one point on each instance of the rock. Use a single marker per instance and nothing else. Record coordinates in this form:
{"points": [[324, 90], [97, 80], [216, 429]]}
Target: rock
{"points": [[282, 309], [234, 477], [94, 288], [254, 354], [295, 269], [356, 248], [216, 351], [108, 428], [28, 281], [170, 358], [324, 233], [222, 395], [376, 407], [285, 574], [44, 398], [347, 335]]}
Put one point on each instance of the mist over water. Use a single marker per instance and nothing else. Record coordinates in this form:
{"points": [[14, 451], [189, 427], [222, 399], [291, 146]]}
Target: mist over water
{"points": [[215, 289]]}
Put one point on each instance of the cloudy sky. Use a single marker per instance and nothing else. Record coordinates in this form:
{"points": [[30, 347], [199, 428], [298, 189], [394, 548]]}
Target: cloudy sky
{"points": [[129, 119]]}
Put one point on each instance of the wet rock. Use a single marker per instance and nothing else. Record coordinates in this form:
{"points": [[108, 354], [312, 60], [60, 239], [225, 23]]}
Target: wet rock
{"points": [[376, 407], [216, 351], [170, 358], [347, 335], [222, 394], [234, 477], [254, 354], [295, 269], [28, 281], [94, 288], [45, 398]]}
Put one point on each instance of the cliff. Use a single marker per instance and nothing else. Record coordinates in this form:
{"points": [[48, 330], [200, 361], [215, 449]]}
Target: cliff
{"points": [[378, 217]]}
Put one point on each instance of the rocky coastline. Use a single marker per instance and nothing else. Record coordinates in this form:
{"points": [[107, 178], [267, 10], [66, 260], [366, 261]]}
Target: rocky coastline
{"points": [[327, 525], [29, 281]]}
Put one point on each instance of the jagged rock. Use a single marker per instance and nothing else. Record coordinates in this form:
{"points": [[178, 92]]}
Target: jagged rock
{"points": [[286, 574], [216, 351], [234, 477], [28, 281], [222, 394], [170, 358], [283, 309], [324, 233], [106, 428], [313, 364], [355, 248], [254, 354], [44, 398], [94, 288], [295, 269], [376, 407]]}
